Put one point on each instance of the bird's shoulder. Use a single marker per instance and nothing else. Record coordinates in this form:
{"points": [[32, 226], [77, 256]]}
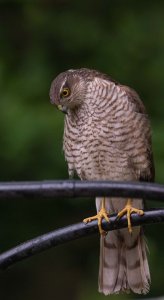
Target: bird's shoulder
{"points": [[131, 94]]}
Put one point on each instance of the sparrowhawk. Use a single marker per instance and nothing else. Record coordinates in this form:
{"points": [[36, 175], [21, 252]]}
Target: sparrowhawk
{"points": [[107, 136]]}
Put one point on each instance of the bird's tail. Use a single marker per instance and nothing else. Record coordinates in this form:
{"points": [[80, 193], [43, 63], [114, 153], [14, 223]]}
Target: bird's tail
{"points": [[123, 263], [123, 266]]}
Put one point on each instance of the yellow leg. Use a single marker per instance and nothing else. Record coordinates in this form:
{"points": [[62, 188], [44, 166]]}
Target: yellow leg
{"points": [[100, 215], [128, 210]]}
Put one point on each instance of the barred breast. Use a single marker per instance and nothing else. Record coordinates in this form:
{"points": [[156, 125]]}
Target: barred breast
{"points": [[107, 138]]}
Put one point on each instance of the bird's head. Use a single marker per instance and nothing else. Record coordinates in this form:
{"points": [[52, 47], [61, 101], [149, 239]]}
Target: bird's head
{"points": [[68, 90]]}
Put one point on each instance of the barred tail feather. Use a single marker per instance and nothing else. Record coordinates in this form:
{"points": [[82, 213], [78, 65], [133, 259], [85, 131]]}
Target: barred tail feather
{"points": [[109, 267], [138, 275], [123, 264]]}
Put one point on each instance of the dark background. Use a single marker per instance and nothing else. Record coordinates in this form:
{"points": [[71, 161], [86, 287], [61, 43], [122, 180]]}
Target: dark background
{"points": [[38, 40]]}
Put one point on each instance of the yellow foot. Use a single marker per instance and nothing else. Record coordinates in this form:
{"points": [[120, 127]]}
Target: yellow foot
{"points": [[128, 210], [102, 214]]}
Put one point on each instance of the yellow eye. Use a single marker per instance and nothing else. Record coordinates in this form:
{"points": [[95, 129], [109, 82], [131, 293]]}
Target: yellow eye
{"points": [[65, 92]]}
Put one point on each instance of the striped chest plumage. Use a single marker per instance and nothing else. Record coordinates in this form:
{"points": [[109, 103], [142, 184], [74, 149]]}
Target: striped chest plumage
{"points": [[100, 137]]}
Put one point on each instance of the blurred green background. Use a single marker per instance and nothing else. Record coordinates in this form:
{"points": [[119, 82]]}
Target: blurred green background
{"points": [[38, 40]]}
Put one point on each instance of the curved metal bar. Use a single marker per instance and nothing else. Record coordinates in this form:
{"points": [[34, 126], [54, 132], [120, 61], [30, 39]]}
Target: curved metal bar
{"points": [[72, 232], [77, 188]]}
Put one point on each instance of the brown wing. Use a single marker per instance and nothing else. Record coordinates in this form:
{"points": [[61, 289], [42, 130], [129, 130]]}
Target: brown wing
{"points": [[149, 173]]}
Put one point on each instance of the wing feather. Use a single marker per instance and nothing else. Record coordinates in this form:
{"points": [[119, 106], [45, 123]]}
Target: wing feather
{"points": [[133, 97]]}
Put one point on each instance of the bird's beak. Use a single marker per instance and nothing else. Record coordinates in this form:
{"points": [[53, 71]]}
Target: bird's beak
{"points": [[62, 108]]}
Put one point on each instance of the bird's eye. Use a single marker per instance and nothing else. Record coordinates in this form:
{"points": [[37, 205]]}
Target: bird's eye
{"points": [[65, 92]]}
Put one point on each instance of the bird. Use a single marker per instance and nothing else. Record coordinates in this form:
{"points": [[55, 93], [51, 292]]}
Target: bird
{"points": [[107, 136]]}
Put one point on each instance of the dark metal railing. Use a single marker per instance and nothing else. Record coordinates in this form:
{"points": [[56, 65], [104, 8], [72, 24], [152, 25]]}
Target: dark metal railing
{"points": [[67, 188], [76, 188]]}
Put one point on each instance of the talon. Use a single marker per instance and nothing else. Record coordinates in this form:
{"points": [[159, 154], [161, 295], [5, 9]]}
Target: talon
{"points": [[102, 214], [128, 210]]}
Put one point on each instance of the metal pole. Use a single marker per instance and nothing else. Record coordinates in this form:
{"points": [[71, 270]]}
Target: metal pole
{"points": [[77, 188], [72, 232]]}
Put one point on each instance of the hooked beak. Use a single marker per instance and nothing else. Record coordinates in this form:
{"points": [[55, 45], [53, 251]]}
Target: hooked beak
{"points": [[62, 108]]}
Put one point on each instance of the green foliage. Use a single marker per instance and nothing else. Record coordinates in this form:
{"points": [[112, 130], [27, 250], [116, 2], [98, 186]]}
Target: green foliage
{"points": [[37, 41]]}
